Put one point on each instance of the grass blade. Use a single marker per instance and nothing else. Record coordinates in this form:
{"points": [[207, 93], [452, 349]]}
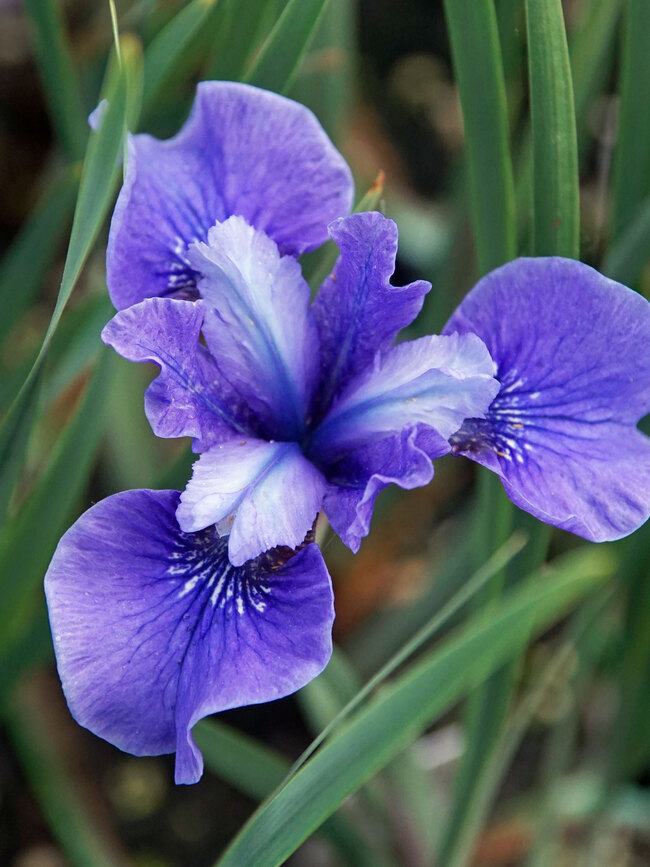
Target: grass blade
{"points": [[166, 52], [14, 435], [24, 558], [473, 585], [556, 190], [256, 770], [58, 75], [397, 716], [248, 765], [237, 33], [279, 59], [97, 185], [591, 51], [82, 835], [487, 707], [476, 56], [630, 250], [99, 175], [33, 251], [632, 154]]}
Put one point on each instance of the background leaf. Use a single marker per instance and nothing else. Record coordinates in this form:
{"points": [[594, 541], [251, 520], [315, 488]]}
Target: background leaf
{"points": [[399, 714]]}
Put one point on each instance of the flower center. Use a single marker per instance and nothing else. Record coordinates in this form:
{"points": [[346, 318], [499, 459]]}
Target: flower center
{"points": [[200, 566]]}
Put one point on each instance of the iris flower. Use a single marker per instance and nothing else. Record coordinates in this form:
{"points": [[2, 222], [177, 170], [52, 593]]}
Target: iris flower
{"points": [[573, 360], [167, 606]]}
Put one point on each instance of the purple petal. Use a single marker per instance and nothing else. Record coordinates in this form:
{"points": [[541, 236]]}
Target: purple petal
{"points": [[264, 494], [356, 480], [358, 311], [96, 116], [154, 629], [434, 381], [571, 348], [258, 323], [242, 151], [189, 397]]}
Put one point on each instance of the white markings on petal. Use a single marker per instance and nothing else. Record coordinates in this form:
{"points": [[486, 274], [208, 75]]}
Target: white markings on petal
{"points": [[206, 568]]}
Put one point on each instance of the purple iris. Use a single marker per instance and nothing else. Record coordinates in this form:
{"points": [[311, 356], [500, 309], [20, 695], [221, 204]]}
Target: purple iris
{"points": [[167, 607], [573, 359], [242, 151]]}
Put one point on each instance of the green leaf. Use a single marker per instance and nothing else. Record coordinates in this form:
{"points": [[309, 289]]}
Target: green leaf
{"points": [[326, 81], [28, 540], [14, 435], [487, 707], [58, 75], [97, 185], [401, 711], [339, 680], [589, 643], [632, 153], [629, 252], [237, 33], [74, 346], [374, 643], [630, 751], [556, 190], [99, 174], [82, 835], [248, 765], [476, 56], [26, 262], [168, 49], [279, 58], [322, 699], [555, 673], [32, 650], [256, 770], [591, 51]]}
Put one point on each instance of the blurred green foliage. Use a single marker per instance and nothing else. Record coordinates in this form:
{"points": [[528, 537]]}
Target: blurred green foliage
{"points": [[495, 122]]}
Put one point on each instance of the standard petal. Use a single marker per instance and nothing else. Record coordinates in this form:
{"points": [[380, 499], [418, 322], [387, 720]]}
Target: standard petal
{"points": [[357, 309], [434, 381], [571, 348], [242, 151], [264, 494], [356, 480], [258, 323], [189, 397], [154, 628]]}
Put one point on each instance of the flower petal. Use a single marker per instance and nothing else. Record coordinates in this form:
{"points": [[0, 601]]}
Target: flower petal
{"points": [[357, 479], [189, 397], [264, 494], [434, 381], [242, 151], [258, 323], [571, 348], [154, 629], [358, 311]]}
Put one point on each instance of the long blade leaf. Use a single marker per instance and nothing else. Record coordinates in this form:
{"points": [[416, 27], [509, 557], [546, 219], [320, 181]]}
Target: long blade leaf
{"points": [[97, 185], [398, 715], [476, 55], [632, 154], [279, 59], [256, 770], [33, 251], [167, 50], [556, 209], [58, 75], [28, 540]]}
